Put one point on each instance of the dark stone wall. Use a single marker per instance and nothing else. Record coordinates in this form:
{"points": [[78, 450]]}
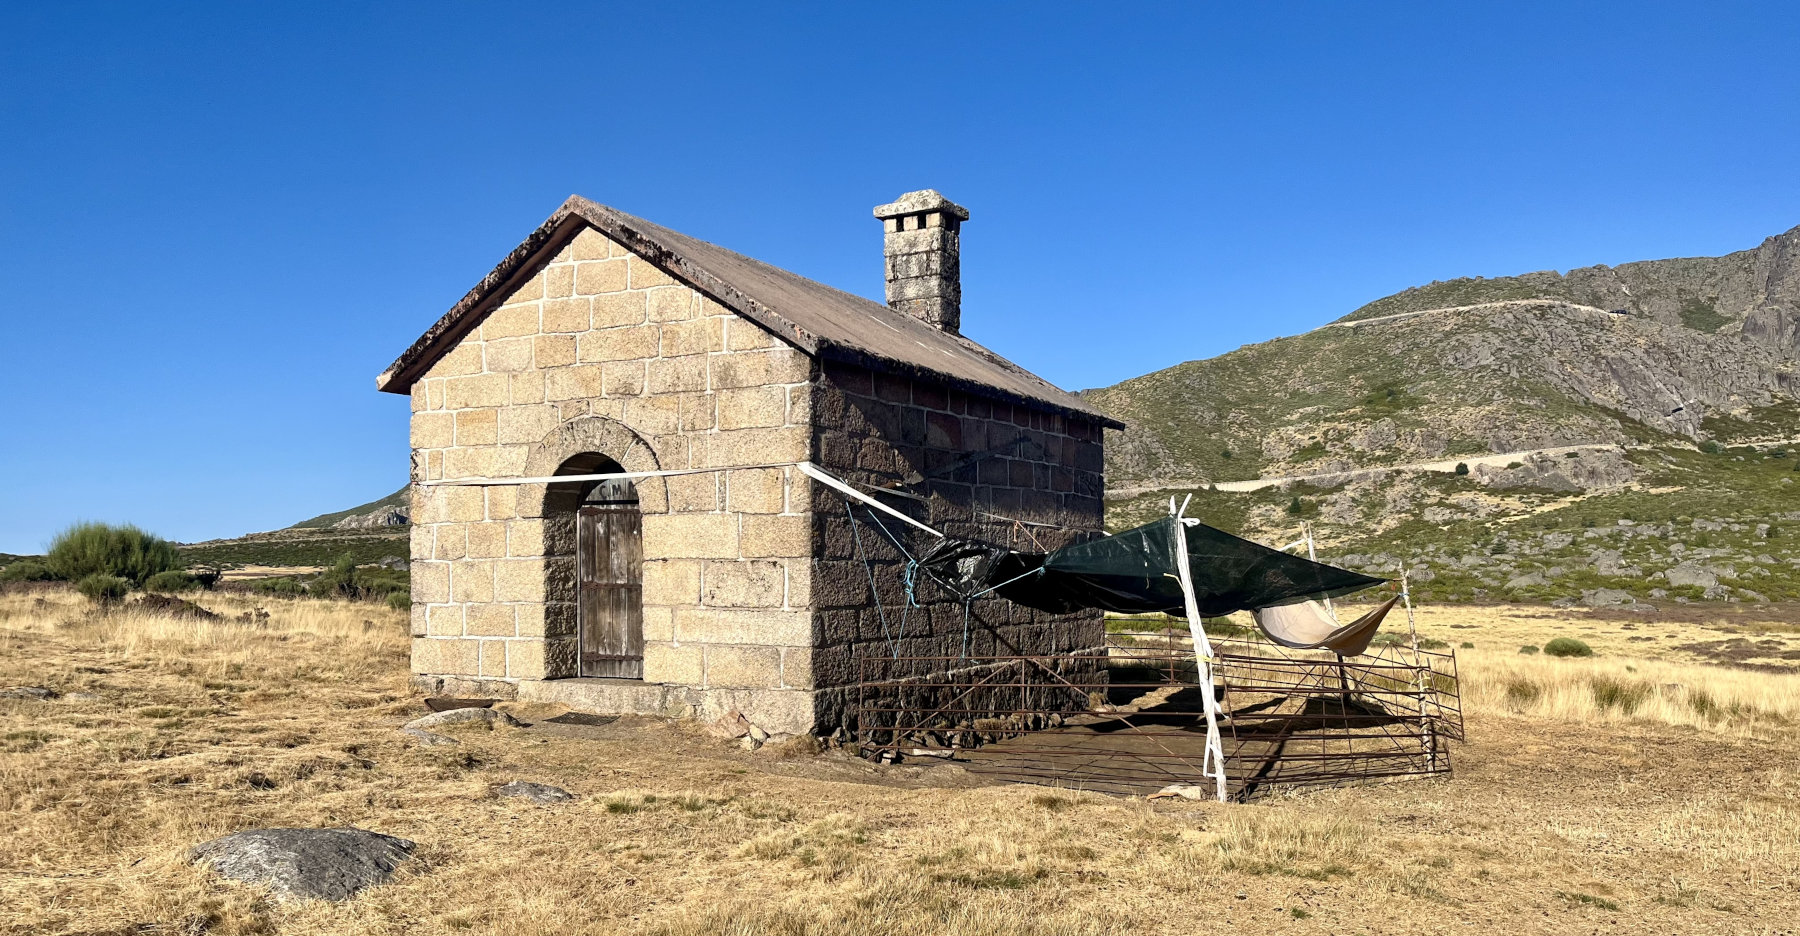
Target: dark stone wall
{"points": [[975, 460]]}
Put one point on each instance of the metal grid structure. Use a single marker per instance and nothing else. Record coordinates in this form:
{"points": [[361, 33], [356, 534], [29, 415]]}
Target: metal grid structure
{"points": [[1129, 717]]}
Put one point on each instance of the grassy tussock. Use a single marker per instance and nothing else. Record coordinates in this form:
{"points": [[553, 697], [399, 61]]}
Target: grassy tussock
{"points": [[1614, 689]]}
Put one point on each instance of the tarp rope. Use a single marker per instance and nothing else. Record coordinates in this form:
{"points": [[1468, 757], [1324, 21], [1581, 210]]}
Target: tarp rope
{"points": [[869, 567]]}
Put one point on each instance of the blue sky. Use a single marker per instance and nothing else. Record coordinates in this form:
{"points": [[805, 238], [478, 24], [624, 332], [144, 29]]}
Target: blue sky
{"points": [[219, 223]]}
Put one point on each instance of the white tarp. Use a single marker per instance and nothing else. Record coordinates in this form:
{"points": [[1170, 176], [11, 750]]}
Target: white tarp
{"points": [[1307, 625]]}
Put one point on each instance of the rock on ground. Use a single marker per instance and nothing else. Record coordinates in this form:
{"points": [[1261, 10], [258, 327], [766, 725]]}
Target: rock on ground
{"points": [[428, 738], [542, 793], [34, 693], [465, 716], [321, 864]]}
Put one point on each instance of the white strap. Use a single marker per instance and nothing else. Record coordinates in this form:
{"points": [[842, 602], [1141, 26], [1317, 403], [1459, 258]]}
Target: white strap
{"points": [[818, 474]]}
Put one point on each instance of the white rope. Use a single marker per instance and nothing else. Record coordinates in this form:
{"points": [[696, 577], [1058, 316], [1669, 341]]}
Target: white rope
{"points": [[1203, 652], [818, 474]]}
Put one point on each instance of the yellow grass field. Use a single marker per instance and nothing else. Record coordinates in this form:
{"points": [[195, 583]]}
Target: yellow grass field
{"points": [[1645, 790]]}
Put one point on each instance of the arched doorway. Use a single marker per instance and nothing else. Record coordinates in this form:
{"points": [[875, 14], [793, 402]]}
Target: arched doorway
{"points": [[602, 520]]}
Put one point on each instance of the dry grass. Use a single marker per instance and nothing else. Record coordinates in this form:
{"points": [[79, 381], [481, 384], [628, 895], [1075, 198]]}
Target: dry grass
{"points": [[1561, 818]]}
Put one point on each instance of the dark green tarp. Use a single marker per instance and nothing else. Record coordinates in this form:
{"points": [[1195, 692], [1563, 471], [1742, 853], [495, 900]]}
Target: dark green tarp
{"points": [[1134, 572]]}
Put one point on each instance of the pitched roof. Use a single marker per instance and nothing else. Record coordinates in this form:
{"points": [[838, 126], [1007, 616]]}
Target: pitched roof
{"points": [[822, 321]]}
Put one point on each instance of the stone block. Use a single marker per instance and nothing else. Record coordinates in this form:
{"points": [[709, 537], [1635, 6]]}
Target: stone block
{"points": [[645, 274], [691, 536], [577, 382], [434, 391], [448, 656], [567, 315], [433, 430], [695, 336], [743, 583], [526, 424], [416, 625], [509, 355], [463, 504], [477, 427], [656, 415], [512, 321], [486, 540], [419, 537], [752, 407], [502, 501], [743, 667], [469, 462], [659, 623], [472, 580], [530, 289], [600, 276], [787, 536], [418, 396], [444, 620], [625, 343], [697, 411], [671, 582], [480, 390], [670, 663], [553, 350], [743, 626], [559, 280], [520, 580], [525, 539], [760, 368], [525, 388], [695, 493], [589, 244], [450, 541], [800, 405], [493, 658], [622, 378], [759, 490], [615, 309], [675, 375], [540, 659], [754, 446], [489, 620], [430, 582], [799, 584], [797, 667], [741, 334], [464, 359]]}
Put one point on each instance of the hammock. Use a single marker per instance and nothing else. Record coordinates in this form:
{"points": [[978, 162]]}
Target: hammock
{"points": [[1308, 626]]}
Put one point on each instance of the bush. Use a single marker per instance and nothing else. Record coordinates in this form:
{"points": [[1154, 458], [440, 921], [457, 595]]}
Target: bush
{"points": [[27, 570], [337, 581], [103, 589], [171, 582], [1567, 647], [400, 600], [285, 586], [1528, 649], [1296, 507], [1711, 447], [127, 552], [1462, 468]]}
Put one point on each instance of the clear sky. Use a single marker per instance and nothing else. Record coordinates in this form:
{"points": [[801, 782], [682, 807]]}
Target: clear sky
{"points": [[219, 223]]}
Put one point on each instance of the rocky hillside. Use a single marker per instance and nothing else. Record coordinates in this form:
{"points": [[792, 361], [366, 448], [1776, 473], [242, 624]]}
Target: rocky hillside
{"points": [[390, 511], [1753, 293], [1666, 393]]}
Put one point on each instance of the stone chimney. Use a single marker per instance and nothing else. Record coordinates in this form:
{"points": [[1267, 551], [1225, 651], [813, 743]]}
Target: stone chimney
{"points": [[923, 247]]}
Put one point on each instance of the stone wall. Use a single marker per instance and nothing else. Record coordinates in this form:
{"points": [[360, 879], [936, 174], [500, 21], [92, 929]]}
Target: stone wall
{"points": [[601, 352], [977, 460]]}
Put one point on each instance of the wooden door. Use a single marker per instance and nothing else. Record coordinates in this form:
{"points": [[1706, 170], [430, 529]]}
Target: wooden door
{"points": [[609, 574]]}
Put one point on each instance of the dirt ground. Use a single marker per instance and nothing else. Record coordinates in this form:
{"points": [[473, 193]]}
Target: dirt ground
{"points": [[168, 733]]}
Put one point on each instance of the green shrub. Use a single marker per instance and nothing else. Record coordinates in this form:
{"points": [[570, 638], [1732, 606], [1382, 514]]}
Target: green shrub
{"points": [[283, 586], [1225, 454], [1567, 647], [171, 582], [1528, 649], [1468, 645], [1462, 468], [103, 589], [99, 549], [27, 570], [1711, 447], [400, 600]]}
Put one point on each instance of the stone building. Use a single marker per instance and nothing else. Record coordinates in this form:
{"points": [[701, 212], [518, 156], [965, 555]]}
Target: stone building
{"points": [[605, 343]]}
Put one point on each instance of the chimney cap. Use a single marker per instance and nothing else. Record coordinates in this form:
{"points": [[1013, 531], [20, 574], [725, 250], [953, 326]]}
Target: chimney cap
{"points": [[920, 202]]}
